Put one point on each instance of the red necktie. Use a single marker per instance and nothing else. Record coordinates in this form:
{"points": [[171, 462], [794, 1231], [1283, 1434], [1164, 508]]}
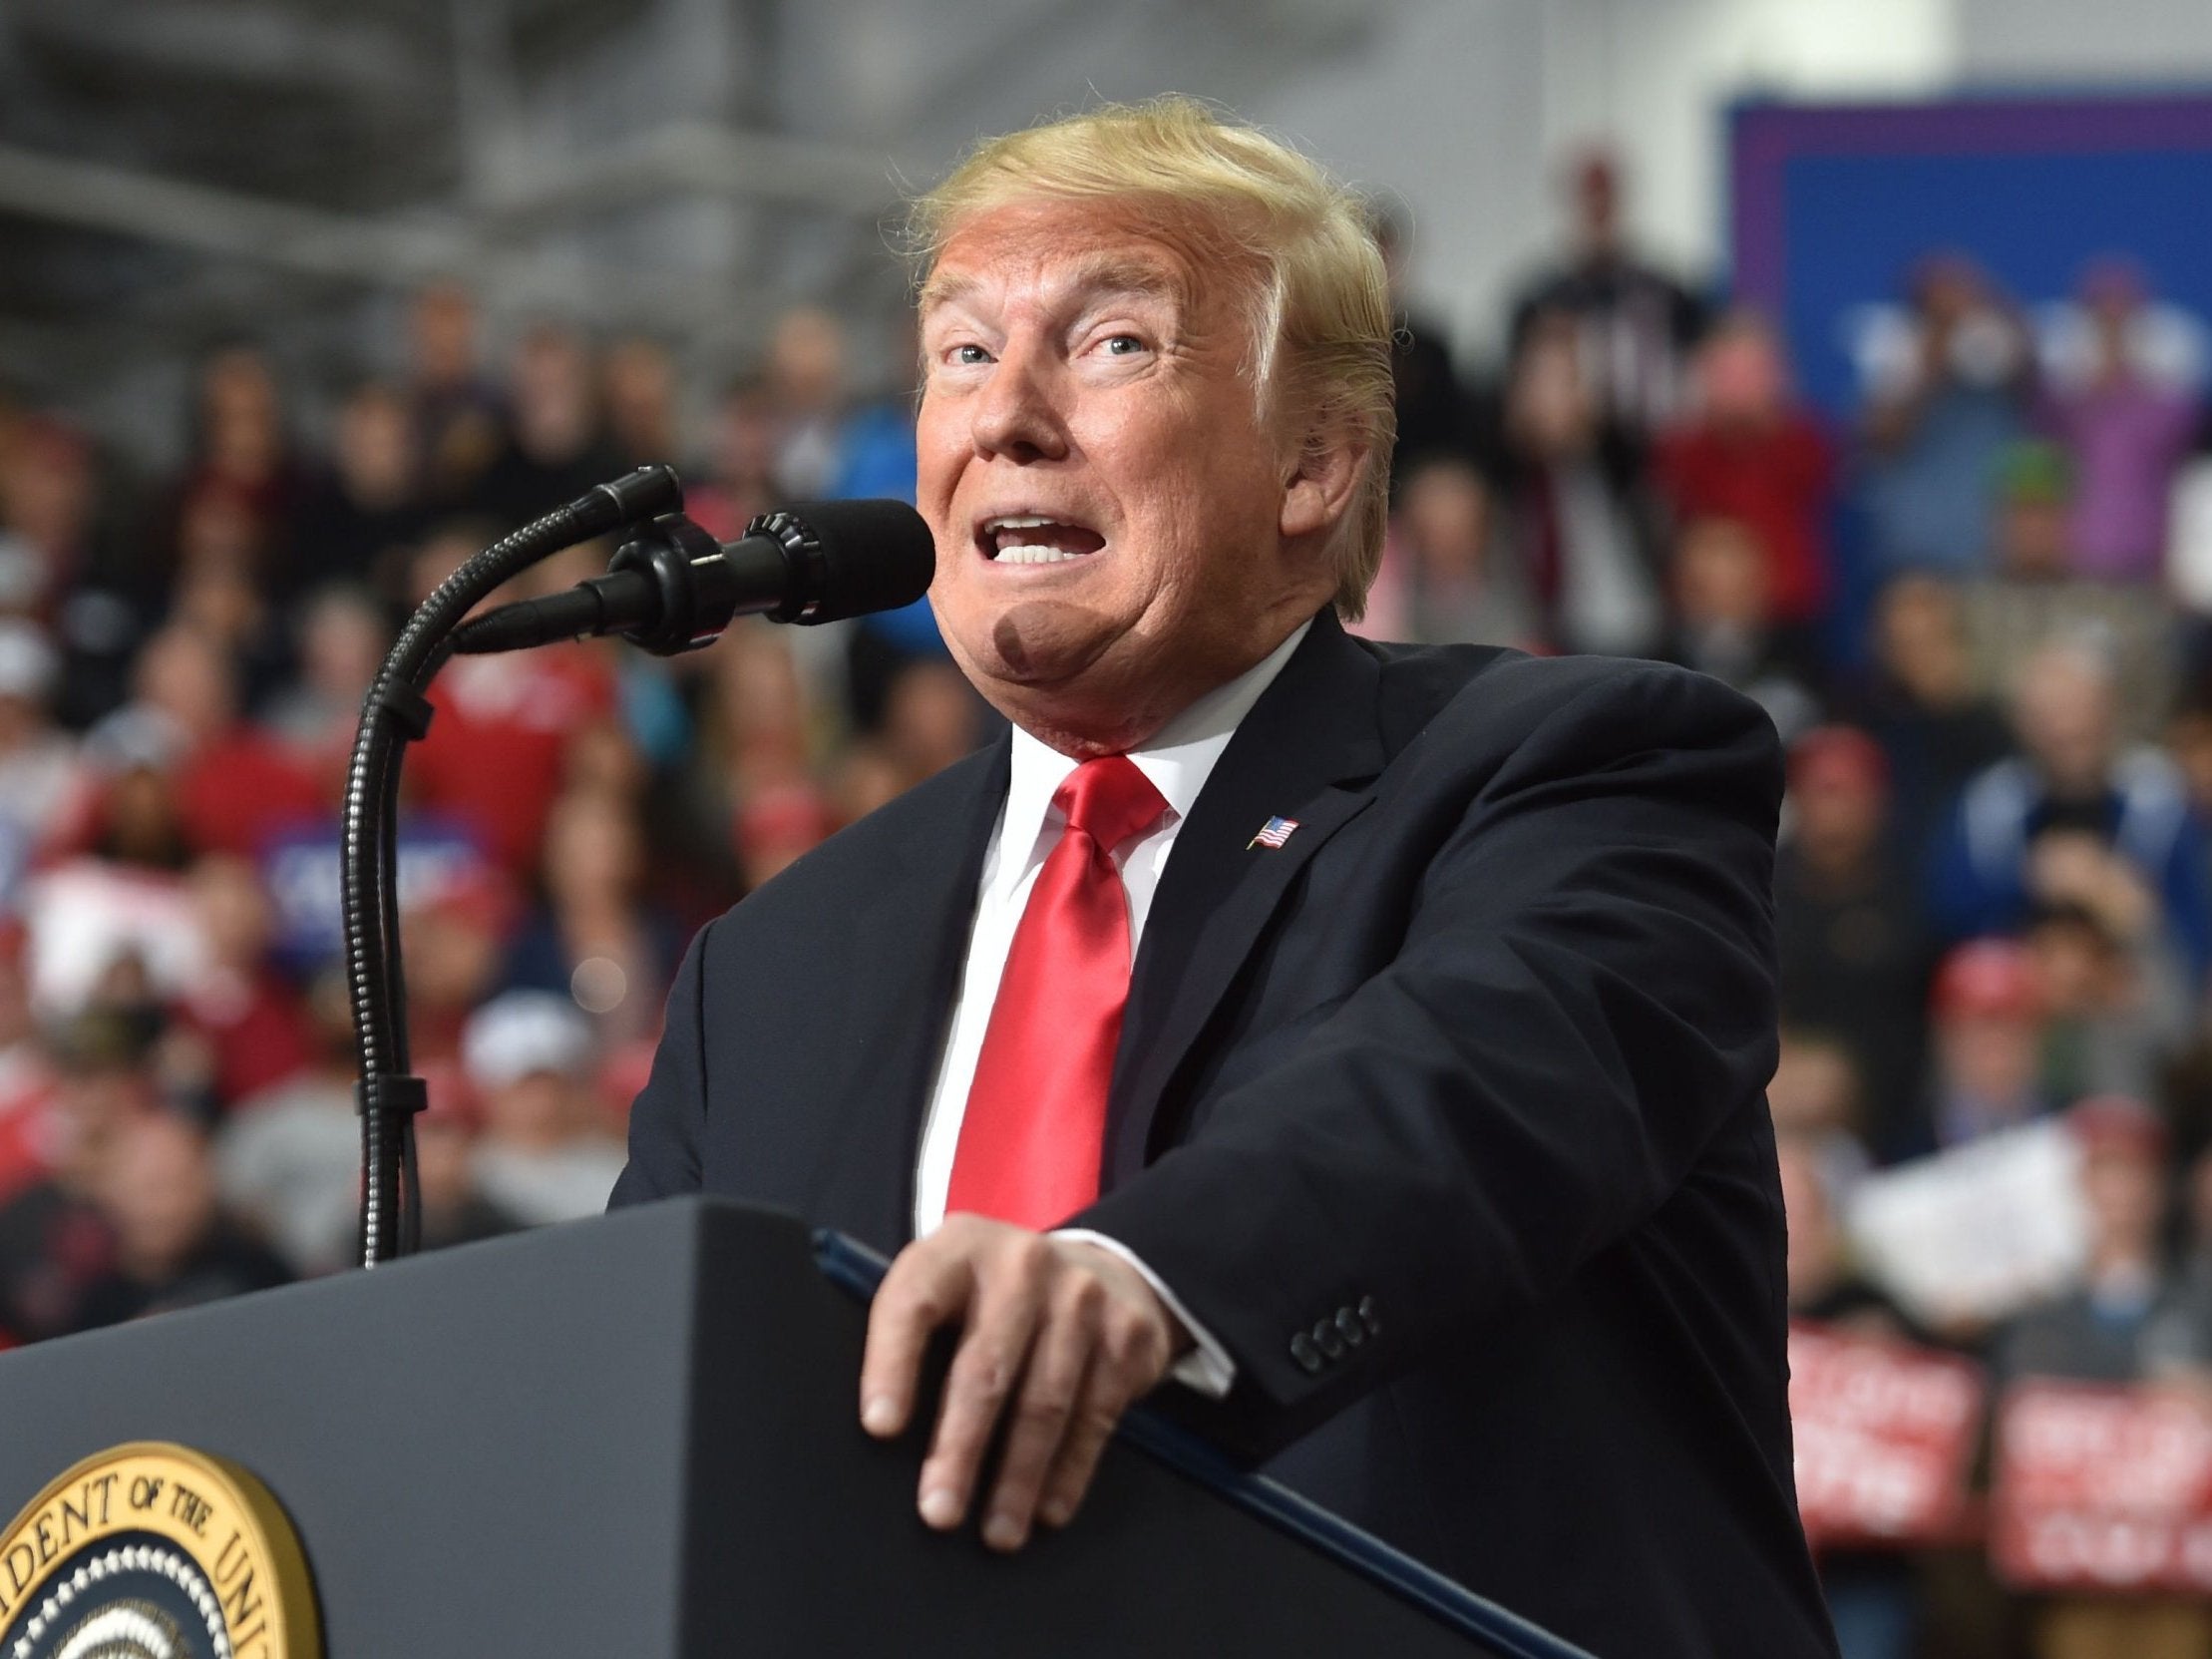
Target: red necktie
{"points": [[1035, 1125]]}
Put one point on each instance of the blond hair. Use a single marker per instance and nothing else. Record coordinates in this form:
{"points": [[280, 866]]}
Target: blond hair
{"points": [[1319, 307]]}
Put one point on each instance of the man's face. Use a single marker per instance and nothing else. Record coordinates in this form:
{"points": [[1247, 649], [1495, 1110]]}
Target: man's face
{"points": [[1117, 531]]}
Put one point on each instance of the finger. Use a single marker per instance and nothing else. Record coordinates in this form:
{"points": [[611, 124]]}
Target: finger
{"points": [[1053, 1384], [929, 1284], [1001, 1322], [1131, 1359]]}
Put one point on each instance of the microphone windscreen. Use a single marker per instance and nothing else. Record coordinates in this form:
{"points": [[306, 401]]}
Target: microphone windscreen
{"points": [[874, 556]]}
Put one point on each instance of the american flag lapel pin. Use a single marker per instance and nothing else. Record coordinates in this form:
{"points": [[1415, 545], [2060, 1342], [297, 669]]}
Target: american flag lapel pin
{"points": [[1273, 833]]}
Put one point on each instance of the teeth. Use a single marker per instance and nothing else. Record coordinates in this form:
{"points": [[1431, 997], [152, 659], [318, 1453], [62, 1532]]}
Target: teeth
{"points": [[1018, 523], [1035, 556]]}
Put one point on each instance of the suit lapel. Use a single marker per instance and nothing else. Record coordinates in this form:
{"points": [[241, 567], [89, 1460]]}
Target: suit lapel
{"points": [[1310, 750], [907, 948]]}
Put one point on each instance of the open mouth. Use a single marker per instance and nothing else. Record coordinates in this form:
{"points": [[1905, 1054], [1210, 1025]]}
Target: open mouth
{"points": [[1034, 538]]}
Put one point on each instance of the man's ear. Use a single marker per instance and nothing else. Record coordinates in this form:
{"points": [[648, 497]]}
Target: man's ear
{"points": [[1319, 489]]}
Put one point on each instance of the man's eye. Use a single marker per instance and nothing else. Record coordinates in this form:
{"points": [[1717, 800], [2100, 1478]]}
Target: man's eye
{"points": [[1123, 346], [968, 356]]}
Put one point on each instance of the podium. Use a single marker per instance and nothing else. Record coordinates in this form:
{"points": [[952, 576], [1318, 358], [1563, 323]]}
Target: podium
{"points": [[637, 1437]]}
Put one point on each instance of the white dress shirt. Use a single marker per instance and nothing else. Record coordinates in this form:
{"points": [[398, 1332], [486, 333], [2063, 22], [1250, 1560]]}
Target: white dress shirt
{"points": [[1178, 760]]}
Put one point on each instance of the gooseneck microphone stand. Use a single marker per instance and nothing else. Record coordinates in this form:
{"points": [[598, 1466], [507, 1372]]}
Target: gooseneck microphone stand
{"points": [[393, 714]]}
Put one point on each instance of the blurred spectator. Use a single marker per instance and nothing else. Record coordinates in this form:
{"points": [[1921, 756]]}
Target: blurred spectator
{"points": [[288, 1158], [1988, 1012], [2074, 783], [1945, 390], [740, 482], [1751, 453], [1574, 507], [2127, 426], [495, 752], [640, 378], [453, 931], [368, 506], [1854, 958], [26, 1075], [557, 448], [2117, 1002], [1444, 577], [254, 1024], [240, 500], [1724, 625], [459, 420], [175, 1247], [53, 569], [592, 937], [2097, 1334], [2031, 596], [455, 1209], [1634, 325], [806, 386], [546, 1154], [1922, 707], [55, 1241], [234, 785], [342, 636], [2177, 1343], [40, 776], [1436, 417]]}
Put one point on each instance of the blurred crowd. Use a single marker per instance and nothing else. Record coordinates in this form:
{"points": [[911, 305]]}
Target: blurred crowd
{"points": [[1977, 610]]}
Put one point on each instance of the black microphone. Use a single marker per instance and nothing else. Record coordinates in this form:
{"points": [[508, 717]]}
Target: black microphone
{"points": [[673, 587]]}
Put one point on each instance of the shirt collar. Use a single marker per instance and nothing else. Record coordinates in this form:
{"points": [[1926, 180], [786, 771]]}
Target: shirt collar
{"points": [[1178, 759]]}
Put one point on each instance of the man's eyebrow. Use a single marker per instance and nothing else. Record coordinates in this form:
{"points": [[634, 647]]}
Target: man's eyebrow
{"points": [[1092, 278]]}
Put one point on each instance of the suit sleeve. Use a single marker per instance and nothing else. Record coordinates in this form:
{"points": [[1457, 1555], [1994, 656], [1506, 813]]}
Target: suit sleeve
{"points": [[1585, 994], [669, 1118]]}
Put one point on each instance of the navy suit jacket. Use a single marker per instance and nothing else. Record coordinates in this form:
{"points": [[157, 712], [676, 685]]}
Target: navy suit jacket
{"points": [[1446, 1116]]}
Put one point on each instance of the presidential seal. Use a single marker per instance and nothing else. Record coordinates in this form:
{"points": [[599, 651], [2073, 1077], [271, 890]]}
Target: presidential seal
{"points": [[155, 1551]]}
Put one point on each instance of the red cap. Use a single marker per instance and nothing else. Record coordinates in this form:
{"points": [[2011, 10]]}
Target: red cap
{"points": [[1838, 757], [2118, 1123], [1988, 978]]}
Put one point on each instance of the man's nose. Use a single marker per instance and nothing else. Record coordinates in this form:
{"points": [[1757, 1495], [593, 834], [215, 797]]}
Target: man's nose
{"points": [[1018, 415]]}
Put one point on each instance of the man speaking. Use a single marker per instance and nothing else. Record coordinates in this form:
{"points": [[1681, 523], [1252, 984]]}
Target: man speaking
{"points": [[1362, 1044]]}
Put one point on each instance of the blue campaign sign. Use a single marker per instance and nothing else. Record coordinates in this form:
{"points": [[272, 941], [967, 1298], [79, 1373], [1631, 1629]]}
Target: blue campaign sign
{"points": [[1832, 205]]}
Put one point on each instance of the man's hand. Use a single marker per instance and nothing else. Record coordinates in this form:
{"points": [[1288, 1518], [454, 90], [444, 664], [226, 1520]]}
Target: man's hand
{"points": [[1065, 1334]]}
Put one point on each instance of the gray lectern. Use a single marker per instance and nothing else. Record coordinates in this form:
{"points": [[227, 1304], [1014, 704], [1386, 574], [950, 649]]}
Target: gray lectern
{"points": [[635, 1438]]}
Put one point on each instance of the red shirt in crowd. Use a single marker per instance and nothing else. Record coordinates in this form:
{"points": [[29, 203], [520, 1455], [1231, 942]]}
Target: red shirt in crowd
{"points": [[1774, 480], [494, 751], [235, 792]]}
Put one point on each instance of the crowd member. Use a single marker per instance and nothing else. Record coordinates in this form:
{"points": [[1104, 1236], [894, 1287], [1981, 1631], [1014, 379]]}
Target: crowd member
{"points": [[174, 1246], [1634, 325], [368, 505], [1855, 956], [2024, 826], [546, 1153], [1447, 576], [2127, 426], [242, 465], [41, 775], [2100, 1333], [2031, 594], [1987, 1015], [556, 446], [1752, 454], [592, 935], [1946, 392], [1575, 510], [459, 416], [1920, 703], [55, 1242], [1723, 624]]}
